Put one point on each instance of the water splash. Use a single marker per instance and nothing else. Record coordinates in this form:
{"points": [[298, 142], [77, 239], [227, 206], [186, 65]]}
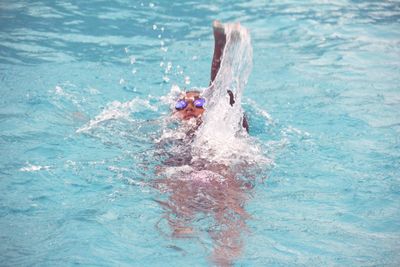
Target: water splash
{"points": [[221, 136], [117, 110], [32, 168]]}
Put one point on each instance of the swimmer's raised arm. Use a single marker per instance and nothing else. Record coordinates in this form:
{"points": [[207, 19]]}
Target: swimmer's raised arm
{"points": [[190, 105], [219, 45]]}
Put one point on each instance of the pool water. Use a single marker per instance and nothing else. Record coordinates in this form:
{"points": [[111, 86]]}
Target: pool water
{"points": [[85, 104]]}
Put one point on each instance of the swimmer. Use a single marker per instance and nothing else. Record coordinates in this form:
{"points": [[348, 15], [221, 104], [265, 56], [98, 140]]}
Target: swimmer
{"points": [[190, 104], [199, 188]]}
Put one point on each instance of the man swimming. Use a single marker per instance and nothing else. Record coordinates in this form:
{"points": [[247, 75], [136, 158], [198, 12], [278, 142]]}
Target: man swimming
{"points": [[190, 104], [204, 186]]}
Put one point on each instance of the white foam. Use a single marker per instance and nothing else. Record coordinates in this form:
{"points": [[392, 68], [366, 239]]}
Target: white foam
{"points": [[261, 112], [170, 99], [117, 110], [292, 130], [33, 168], [221, 137], [187, 173], [58, 90]]}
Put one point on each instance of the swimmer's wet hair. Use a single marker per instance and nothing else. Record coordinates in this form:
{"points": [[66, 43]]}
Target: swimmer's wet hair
{"points": [[193, 91]]}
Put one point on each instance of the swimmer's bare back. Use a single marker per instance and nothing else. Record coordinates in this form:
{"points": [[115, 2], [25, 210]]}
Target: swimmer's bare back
{"points": [[219, 46]]}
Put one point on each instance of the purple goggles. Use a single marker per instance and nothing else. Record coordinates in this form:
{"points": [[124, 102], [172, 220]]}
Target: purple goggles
{"points": [[183, 103]]}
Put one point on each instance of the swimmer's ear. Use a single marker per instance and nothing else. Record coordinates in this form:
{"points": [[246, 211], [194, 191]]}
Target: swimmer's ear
{"points": [[231, 98]]}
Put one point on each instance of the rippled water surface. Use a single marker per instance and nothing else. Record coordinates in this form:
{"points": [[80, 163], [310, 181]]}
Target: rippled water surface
{"points": [[86, 173]]}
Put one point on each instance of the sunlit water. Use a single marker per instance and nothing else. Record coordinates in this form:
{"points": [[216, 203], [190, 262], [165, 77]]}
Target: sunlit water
{"points": [[90, 166]]}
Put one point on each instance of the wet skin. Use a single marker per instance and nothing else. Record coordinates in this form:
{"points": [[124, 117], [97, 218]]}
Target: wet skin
{"points": [[218, 196], [208, 191], [190, 111]]}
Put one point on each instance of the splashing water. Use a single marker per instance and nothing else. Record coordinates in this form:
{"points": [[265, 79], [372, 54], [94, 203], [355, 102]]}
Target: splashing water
{"points": [[221, 137], [114, 111]]}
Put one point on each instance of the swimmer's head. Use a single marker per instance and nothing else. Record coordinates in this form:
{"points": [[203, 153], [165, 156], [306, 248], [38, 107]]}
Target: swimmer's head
{"points": [[189, 105]]}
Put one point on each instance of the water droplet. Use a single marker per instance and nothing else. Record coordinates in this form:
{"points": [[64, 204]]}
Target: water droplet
{"points": [[165, 79], [187, 80], [154, 27], [162, 29], [161, 63], [134, 71], [94, 91], [59, 90], [121, 81], [169, 67], [132, 59], [194, 58], [151, 5]]}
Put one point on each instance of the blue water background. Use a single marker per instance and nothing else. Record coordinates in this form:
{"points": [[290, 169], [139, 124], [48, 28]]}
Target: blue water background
{"points": [[324, 97]]}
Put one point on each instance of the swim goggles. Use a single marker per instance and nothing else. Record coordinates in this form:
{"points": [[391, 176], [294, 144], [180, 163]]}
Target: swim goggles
{"points": [[183, 103]]}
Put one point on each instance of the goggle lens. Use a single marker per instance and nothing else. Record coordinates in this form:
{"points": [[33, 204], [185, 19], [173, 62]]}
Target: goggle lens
{"points": [[199, 102], [182, 104]]}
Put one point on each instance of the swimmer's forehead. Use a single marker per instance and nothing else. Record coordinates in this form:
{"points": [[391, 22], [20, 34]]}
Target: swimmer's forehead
{"points": [[190, 94]]}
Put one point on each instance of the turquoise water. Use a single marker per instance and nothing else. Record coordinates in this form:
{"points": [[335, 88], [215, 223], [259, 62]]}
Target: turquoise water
{"points": [[84, 107]]}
